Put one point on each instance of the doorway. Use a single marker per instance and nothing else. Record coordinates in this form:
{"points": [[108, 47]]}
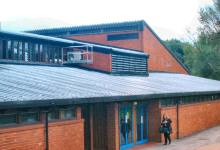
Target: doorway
{"points": [[142, 124], [126, 126]]}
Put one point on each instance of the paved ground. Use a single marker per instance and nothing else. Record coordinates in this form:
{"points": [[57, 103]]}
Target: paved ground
{"points": [[206, 140]]}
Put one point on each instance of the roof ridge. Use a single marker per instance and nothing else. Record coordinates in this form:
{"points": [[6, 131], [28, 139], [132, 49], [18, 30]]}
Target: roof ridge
{"points": [[105, 25]]}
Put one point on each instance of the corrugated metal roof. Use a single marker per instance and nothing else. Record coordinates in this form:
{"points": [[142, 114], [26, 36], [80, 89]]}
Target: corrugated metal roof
{"points": [[21, 84], [105, 27]]}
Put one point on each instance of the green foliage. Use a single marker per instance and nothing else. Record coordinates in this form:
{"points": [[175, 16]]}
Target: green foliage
{"points": [[176, 46], [206, 61], [203, 56]]}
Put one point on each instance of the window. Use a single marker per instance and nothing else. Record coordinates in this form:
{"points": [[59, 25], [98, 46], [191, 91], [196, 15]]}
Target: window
{"points": [[29, 117], [15, 50], [26, 52], [45, 53], [128, 36], [31, 51], [20, 52], [51, 54], [1, 49], [7, 119], [9, 50], [56, 55], [41, 53], [68, 113], [53, 115], [36, 52]]}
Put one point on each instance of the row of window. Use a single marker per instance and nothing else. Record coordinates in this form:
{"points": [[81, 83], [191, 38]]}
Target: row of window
{"points": [[189, 100], [35, 116], [29, 52]]}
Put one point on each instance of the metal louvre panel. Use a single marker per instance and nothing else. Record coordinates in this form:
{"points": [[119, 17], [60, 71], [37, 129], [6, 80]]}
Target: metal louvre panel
{"points": [[128, 64]]}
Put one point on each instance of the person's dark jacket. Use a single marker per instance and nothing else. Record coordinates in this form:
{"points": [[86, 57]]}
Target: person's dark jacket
{"points": [[166, 125]]}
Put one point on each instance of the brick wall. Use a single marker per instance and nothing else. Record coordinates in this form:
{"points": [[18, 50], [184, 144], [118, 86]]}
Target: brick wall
{"points": [[194, 117], [160, 59], [113, 127], [102, 39], [65, 135], [22, 138], [101, 62]]}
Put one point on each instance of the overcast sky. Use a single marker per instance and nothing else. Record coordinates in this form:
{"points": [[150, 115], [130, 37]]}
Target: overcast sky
{"points": [[168, 18]]}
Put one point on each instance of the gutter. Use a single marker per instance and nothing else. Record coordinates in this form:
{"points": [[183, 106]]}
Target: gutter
{"points": [[74, 101]]}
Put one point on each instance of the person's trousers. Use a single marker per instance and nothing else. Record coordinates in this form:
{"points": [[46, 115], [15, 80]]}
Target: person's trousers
{"points": [[167, 138]]}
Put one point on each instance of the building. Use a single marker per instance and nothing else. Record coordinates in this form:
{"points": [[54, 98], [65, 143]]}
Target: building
{"points": [[98, 87]]}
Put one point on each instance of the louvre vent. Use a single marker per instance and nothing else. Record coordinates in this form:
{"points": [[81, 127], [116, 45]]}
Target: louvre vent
{"points": [[130, 65]]}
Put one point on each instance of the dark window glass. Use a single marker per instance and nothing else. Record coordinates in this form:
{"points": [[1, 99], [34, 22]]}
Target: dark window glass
{"points": [[59, 55], [31, 53], [36, 52], [1, 49], [45, 53], [5, 51], [56, 55], [128, 36], [51, 54], [53, 115], [29, 117], [68, 113], [6, 119], [9, 50], [26, 52], [41, 53], [20, 51], [15, 50]]}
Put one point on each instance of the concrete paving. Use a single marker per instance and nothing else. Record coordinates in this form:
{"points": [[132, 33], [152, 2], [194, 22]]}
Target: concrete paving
{"points": [[205, 140]]}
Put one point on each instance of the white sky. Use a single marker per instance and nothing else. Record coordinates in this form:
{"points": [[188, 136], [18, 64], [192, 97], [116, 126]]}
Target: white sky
{"points": [[168, 18]]}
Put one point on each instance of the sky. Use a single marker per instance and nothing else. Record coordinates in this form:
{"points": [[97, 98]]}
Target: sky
{"points": [[168, 18]]}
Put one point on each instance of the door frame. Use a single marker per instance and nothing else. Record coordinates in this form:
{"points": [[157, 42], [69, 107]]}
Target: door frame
{"points": [[144, 108], [129, 145]]}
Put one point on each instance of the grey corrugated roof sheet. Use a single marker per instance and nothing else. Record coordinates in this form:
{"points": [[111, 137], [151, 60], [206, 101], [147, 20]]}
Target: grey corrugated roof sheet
{"points": [[27, 84]]}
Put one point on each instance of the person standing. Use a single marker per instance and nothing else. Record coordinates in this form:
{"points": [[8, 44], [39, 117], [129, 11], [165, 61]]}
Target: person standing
{"points": [[166, 128]]}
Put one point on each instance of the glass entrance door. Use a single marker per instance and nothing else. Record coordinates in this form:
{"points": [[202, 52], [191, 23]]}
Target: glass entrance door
{"points": [[141, 122], [126, 126]]}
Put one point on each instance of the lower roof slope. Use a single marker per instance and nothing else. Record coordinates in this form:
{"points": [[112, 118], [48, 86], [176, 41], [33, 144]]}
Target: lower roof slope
{"points": [[45, 85]]}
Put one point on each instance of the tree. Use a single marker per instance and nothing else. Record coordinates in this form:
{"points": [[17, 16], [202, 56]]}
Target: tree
{"points": [[203, 58], [176, 46]]}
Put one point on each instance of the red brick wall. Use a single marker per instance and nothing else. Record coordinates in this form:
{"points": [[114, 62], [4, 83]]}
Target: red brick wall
{"points": [[101, 62], [194, 117], [160, 59], [201, 116], [25, 137], [102, 39], [65, 135]]}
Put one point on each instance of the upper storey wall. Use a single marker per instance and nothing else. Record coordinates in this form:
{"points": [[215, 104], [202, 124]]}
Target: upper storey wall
{"points": [[134, 43], [160, 58]]}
